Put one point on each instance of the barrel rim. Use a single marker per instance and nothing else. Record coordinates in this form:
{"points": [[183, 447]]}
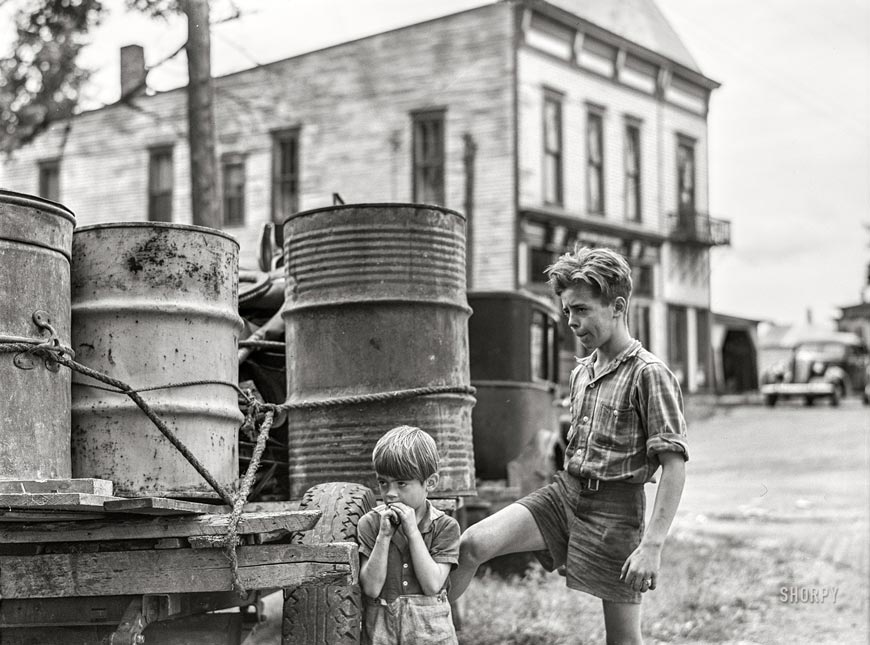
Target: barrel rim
{"points": [[169, 225], [397, 205], [34, 201]]}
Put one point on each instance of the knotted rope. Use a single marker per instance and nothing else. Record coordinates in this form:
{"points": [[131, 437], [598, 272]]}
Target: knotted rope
{"points": [[53, 352]]}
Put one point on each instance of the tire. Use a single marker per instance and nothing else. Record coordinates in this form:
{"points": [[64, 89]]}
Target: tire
{"points": [[327, 614], [809, 401], [835, 397], [770, 400]]}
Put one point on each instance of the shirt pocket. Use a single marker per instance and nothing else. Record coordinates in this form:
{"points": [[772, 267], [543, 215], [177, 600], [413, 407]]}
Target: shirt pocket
{"points": [[616, 428]]}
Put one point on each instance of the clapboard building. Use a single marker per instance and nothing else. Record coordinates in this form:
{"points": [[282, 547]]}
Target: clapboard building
{"points": [[546, 123]]}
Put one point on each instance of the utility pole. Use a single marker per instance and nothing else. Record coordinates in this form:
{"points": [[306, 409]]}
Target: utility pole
{"points": [[205, 205]]}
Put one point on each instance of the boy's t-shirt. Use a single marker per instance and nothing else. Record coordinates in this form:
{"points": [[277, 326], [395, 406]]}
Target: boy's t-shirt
{"points": [[440, 534]]}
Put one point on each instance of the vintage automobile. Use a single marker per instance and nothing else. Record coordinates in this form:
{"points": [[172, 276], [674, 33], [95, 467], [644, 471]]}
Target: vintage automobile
{"points": [[829, 366]]}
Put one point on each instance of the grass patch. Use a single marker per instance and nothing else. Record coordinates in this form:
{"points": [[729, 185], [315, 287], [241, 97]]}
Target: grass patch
{"points": [[712, 589]]}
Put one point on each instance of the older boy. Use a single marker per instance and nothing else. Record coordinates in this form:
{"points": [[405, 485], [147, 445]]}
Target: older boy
{"points": [[626, 421], [407, 547]]}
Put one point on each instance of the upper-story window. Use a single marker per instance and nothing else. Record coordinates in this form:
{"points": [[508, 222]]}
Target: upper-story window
{"points": [[552, 148], [595, 162], [49, 179], [632, 172], [550, 36], [285, 175], [160, 183], [686, 175], [233, 167], [428, 143]]}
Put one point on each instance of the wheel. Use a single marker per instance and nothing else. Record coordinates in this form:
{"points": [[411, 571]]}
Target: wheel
{"points": [[835, 397], [770, 400], [809, 401], [329, 614]]}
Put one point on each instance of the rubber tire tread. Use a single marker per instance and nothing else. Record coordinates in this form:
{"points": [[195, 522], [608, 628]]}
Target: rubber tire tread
{"points": [[328, 614]]}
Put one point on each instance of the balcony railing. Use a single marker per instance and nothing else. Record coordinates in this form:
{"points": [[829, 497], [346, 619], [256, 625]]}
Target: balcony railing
{"points": [[699, 228]]}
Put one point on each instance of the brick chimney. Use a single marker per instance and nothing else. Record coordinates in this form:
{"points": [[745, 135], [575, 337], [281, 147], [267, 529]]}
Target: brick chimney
{"points": [[132, 70]]}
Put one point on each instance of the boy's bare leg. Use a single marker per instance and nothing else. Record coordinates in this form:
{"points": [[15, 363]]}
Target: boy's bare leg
{"points": [[622, 623], [510, 530]]}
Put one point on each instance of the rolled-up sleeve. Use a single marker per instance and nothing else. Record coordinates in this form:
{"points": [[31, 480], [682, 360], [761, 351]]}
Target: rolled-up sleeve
{"points": [[660, 405]]}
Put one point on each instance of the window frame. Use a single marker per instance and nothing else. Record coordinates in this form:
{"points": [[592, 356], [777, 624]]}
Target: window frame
{"points": [[428, 164], [229, 161], [291, 179], [553, 195], [686, 144], [633, 176], [47, 167], [160, 198], [595, 168]]}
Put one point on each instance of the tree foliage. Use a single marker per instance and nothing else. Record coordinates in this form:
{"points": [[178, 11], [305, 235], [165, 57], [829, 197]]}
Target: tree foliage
{"points": [[40, 79]]}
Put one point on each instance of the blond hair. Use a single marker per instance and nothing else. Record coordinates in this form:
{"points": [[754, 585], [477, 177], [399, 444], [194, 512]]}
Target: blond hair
{"points": [[602, 269], [406, 453]]}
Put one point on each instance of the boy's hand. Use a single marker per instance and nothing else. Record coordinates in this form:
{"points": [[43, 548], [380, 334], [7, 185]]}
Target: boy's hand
{"points": [[641, 569], [389, 520], [406, 515]]}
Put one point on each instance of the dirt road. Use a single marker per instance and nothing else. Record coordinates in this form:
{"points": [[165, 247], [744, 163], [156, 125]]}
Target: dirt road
{"points": [[792, 484]]}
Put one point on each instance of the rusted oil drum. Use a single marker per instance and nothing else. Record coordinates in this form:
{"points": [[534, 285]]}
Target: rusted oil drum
{"points": [[155, 306], [35, 242], [375, 302]]}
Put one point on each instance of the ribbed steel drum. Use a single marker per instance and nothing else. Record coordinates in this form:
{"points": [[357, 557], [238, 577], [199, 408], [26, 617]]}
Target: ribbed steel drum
{"points": [[35, 243], [375, 302], [155, 305]]}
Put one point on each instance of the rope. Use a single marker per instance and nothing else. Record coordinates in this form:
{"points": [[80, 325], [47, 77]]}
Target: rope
{"points": [[52, 350]]}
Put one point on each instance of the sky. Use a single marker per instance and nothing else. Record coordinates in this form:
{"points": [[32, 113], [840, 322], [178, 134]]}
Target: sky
{"points": [[789, 130]]}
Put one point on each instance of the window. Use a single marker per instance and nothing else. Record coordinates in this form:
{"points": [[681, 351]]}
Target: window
{"points": [[686, 176], [595, 162], [285, 176], [678, 343], [703, 371], [639, 322], [550, 36], [234, 190], [428, 145], [49, 179], [632, 172], [542, 345], [552, 149], [160, 183]]}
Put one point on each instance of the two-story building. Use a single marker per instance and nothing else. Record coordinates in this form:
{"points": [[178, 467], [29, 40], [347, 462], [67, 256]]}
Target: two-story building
{"points": [[545, 122]]}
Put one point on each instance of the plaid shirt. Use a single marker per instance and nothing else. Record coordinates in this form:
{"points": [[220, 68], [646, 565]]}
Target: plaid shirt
{"points": [[622, 418]]}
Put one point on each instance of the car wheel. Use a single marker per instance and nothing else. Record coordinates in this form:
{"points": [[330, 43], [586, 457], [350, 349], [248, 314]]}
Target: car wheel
{"points": [[835, 397], [770, 400], [809, 401], [328, 614]]}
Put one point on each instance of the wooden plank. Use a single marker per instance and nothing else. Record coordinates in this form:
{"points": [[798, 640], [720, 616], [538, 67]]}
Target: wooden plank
{"points": [[57, 635], [175, 570], [146, 528], [160, 506], [46, 612], [55, 501], [92, 486], [48, 515]]}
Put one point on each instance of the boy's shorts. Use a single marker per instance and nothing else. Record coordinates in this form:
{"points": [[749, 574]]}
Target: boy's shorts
{"points": [[409, 620], [592, 532]]}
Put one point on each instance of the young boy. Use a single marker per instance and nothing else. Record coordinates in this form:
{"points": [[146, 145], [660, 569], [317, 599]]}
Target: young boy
{"points": [[626, 422], [407, 547]]}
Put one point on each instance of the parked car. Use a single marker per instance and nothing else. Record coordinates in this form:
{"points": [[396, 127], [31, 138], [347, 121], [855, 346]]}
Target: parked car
{"points": [[829, 366]]}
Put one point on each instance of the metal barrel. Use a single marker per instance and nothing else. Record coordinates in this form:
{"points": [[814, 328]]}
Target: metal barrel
{"points": [[155, 305], [35, 242], [375, 302]]}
